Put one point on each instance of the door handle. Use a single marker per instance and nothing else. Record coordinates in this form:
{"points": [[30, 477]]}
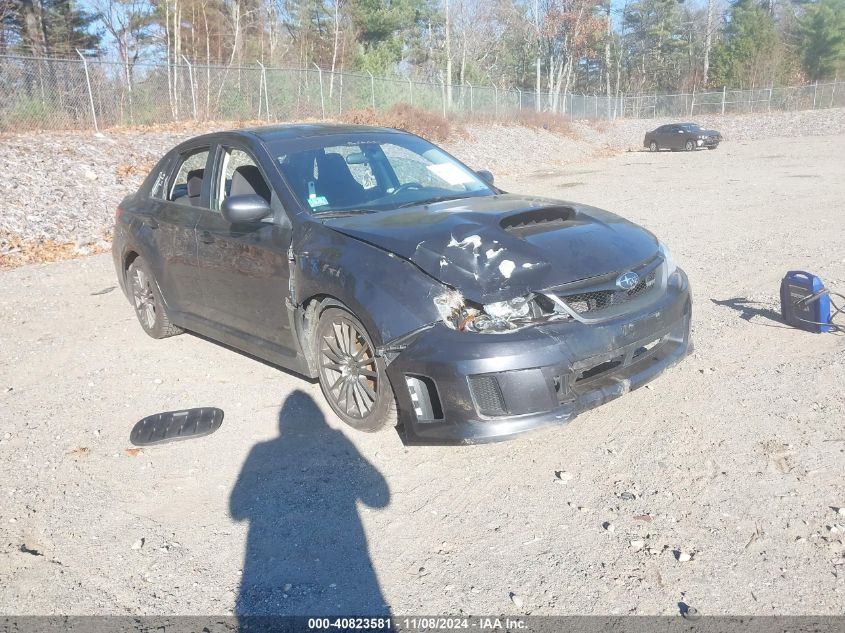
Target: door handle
{"points": [[206, 238]]}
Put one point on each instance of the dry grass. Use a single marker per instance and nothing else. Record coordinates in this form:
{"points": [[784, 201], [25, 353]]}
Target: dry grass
{"points": [[524, 118], [403, 116], [15, 251]]}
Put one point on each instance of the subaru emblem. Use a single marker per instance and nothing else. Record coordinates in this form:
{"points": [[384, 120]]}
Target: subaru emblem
{"points": [[628, 281]]}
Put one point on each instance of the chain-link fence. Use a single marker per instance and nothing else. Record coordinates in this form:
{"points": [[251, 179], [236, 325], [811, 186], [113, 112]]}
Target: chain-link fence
{"points": [[85, 94]]}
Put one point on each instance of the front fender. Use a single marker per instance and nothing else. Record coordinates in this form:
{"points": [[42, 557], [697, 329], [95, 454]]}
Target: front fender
{"points": [[389, 294]]}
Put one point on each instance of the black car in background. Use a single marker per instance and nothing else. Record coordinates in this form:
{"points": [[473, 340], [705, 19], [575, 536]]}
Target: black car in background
{"points": [[681, 136], [415, 290]]}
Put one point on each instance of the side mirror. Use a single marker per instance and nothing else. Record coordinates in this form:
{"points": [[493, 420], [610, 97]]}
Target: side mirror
{"points": [[485, 175], [246, 208]]}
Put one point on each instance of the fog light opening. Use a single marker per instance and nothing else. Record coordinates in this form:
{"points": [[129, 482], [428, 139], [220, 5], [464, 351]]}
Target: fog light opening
{"points": [[424, 398]]}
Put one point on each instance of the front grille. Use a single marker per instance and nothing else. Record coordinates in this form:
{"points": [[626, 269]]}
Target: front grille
{"points": [[593, 303], [487, 395]]}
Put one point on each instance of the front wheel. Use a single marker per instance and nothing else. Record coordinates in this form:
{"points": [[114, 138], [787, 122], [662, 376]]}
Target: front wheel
{"points": [[652, 147], [689, 146], [353, 379]]}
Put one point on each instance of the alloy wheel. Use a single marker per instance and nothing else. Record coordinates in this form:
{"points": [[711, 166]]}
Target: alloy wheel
{"points": [[349, 369], [144, 299]]}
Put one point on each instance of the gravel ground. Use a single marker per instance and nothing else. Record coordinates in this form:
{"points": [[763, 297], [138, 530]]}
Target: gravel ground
{"points": [[718, 487], [66, 185]]}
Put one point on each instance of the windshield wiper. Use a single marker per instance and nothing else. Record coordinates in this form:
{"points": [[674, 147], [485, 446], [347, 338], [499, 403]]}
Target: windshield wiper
{"points": [[341, 213], [414, 203]]}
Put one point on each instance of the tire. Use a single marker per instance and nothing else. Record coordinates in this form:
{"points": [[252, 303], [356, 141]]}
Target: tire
{"points": [[713, 147], [147, 301], [353, 379], [653, 147], [689, 145]]}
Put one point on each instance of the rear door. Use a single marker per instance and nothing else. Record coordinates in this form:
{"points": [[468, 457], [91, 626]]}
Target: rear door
{"points": [[244, 268], [176, 211]]}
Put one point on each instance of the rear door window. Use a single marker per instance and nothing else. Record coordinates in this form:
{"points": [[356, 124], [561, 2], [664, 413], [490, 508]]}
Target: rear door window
{"points": [[188, 184]]}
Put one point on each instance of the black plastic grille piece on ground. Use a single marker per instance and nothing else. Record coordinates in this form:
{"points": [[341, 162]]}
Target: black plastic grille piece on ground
{"points": [[176, 425]]}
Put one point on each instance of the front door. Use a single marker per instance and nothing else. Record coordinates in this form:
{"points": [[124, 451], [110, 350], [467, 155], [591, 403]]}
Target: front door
{"points": [[244, 268]]}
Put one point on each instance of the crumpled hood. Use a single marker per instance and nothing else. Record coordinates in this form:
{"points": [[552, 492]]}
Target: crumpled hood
{"points": [[495, 248]]}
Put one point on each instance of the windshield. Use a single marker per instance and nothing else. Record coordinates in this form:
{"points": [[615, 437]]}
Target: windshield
{"points": [[375, 172], [691, 127]]}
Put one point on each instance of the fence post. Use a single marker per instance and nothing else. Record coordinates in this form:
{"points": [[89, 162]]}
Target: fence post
{"points": [[724, 92], [815, 93], [322, 99], [263, 81], [470, 96], [520, 98], [90, 93], [833, 89], [410, 92], [495, 99], [769, 104], [372, 90], [443, 94], [191, 79]]}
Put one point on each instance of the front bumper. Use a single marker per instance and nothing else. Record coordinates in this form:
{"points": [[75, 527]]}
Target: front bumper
{"points": [[485, 387]]}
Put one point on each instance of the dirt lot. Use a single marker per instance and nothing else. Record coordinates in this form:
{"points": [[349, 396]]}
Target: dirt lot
{"points": [[734, 459]]}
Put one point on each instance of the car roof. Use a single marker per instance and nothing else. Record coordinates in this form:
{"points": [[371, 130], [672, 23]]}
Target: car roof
{"points": [[291, 131]]}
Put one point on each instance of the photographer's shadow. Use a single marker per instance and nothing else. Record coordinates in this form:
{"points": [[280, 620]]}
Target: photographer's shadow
{"points": [[306, 552]]}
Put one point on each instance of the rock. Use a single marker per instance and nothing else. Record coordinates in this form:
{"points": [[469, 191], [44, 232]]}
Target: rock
{"points": [[688, 612], [517, 601], [838, 510], [638, 544], [562, 476], [91, 175], [682, 557], [138, 544], [607, 525], [158, 381], [287, 587]]}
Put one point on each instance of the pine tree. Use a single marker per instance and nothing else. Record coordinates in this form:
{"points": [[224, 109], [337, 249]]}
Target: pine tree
{"points": [[751, 51], [822, 35]]}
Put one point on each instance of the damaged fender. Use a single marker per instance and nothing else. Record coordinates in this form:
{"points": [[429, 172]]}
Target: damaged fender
{"points": [[390, 295]]}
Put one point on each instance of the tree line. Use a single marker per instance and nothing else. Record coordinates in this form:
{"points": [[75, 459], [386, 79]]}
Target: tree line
{"points": [[551, 46]]}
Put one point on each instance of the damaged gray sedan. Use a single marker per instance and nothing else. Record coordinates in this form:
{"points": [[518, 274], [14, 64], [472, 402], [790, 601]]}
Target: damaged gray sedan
{"points": [[418, 293]]}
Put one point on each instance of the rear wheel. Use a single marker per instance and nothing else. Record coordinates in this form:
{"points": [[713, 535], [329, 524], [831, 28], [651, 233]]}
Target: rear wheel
{"points": [[652, 147], [353, 379], [689, 145], [146, 299]]}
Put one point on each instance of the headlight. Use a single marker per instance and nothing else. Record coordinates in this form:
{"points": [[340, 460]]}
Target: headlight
{"points": [[501, 316], [512, 309], [671, 266]]}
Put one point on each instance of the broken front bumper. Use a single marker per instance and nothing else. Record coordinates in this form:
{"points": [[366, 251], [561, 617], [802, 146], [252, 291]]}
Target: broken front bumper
{"points": [[459, 387]]}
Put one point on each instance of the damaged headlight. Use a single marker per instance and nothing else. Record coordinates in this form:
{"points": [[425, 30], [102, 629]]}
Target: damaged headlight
{"points": [[668, 260], [513, 309], [501, 316]]}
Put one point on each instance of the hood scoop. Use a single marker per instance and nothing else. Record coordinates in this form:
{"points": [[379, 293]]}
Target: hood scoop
{"points": [[535, 221]]}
